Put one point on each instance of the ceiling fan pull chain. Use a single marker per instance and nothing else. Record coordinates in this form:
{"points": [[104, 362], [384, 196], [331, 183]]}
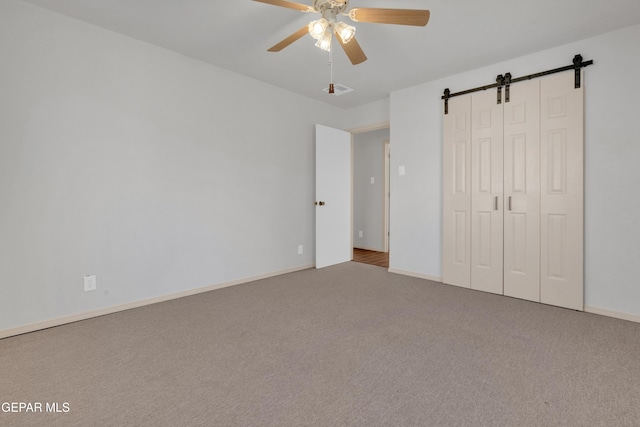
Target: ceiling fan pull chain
{"points": [[331, 89]]}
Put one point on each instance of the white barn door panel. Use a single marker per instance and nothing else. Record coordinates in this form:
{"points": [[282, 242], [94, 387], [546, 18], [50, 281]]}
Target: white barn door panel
{"points": [[456, 246], [486, 193], [522, 192], [562, 177]]}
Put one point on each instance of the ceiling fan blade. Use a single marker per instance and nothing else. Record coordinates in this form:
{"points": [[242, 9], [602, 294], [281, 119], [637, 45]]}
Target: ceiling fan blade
{"points": [[289, 4], [353, 50], [415, 17], [286, 42]]}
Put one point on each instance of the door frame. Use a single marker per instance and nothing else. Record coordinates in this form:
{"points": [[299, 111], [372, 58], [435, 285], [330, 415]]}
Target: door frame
{"points": [[387, 183], [387, 193]]}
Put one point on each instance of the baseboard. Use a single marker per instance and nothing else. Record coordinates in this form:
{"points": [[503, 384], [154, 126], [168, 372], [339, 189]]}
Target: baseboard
{"points": [[615, 314], [587, 309], [32, 327], [418, 275]]}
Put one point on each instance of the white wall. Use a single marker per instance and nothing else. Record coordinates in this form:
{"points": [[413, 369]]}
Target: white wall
{"points": [[161, 174], [612, 156], [368, 198], [156, 172], [374, 115]]}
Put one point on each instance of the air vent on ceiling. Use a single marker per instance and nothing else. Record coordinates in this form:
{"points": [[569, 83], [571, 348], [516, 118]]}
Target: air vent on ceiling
{"points": [[339, 89]]}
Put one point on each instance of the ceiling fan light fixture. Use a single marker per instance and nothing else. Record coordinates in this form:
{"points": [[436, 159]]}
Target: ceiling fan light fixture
{"points": [[324, 43], [345, 32], [318, 28], [323, 29]]}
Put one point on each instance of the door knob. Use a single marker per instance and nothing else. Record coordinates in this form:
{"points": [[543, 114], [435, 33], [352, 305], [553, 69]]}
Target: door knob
{"points": [[321, 203]]}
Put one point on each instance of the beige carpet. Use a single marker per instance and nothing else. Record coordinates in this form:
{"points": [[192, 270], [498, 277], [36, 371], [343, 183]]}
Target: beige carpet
{"points": [[349, 345]]}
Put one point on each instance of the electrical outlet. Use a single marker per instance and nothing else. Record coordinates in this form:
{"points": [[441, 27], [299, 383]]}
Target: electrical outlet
{"points": [[360, 233], [401, 170], [90, 283], [373, 179], [300, 249]]}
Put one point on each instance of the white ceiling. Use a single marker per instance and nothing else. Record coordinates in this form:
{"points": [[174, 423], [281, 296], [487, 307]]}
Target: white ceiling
{"points": [[461, 35]]}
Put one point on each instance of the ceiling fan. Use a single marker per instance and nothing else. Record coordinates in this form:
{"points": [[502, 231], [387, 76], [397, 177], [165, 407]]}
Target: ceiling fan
{"points": [[323, 29]]}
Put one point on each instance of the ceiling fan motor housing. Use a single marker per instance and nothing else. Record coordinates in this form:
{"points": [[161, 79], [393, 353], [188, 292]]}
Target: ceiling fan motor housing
{"points": [[330, 8]]}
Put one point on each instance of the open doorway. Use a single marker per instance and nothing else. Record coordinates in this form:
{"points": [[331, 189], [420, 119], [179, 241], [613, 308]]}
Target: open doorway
{"points": [[371, 196]]}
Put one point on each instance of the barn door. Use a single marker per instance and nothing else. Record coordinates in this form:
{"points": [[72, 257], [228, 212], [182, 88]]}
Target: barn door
{"points": [[522, 192], [456, 245], [486, 193], [562, 188]]}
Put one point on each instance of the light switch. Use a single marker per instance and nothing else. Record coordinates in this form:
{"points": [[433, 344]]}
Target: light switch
{"points": [[373, 180], [401, 170]]}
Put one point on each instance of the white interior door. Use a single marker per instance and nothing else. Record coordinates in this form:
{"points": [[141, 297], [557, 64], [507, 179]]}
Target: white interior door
{"points": [[522, 192], [486, 192], [333, 196]]}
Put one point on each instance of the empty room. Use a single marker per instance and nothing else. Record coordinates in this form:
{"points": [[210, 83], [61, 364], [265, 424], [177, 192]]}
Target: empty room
{"points": [[186, 189]]}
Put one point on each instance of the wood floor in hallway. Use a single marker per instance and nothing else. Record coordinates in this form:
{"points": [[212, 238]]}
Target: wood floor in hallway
{"points": [[364, 256]]}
